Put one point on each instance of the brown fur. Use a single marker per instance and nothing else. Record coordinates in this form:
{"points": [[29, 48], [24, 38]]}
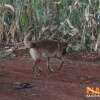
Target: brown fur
{"points": [[45, 49]]}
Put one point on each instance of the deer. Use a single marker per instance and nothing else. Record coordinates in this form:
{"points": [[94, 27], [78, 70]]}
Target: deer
{"points": [[46, 48]]}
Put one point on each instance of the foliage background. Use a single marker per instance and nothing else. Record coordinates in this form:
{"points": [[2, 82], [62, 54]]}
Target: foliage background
{"points": [[52, 19]]}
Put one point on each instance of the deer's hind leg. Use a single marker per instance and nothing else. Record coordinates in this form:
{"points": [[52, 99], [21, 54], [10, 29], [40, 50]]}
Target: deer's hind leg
{"points": [[61, 63], [59, 68]]}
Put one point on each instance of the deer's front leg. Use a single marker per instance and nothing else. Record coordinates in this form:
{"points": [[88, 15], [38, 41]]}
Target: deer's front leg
{"points": [[36, 69], [48, 66]]}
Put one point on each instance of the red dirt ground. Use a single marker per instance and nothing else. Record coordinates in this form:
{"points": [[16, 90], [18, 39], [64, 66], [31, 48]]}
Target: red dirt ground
{"points": [[82, 69]]}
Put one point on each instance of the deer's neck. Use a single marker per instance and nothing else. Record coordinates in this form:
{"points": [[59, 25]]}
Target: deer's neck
{"points": [[28, 40]]}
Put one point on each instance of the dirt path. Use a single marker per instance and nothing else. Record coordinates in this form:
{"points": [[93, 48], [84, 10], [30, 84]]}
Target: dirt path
{"points": [[68, 84]]}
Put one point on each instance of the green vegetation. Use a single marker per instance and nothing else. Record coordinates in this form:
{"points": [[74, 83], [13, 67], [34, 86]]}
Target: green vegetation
{"points": [[53, 19], [6, 55]]}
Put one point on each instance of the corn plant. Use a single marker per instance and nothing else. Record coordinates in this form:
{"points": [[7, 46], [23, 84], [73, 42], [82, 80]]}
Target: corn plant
{"points": [[52, 19]]}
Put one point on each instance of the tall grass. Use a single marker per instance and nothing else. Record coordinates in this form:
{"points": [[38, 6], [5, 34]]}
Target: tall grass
{"points": [[53, 19]]}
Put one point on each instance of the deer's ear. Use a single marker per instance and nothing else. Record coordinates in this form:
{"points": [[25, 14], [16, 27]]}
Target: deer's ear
{"points": [[64, 51]]}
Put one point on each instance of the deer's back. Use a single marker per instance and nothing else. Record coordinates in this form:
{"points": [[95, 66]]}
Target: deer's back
{"points": [[48, 47]]}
